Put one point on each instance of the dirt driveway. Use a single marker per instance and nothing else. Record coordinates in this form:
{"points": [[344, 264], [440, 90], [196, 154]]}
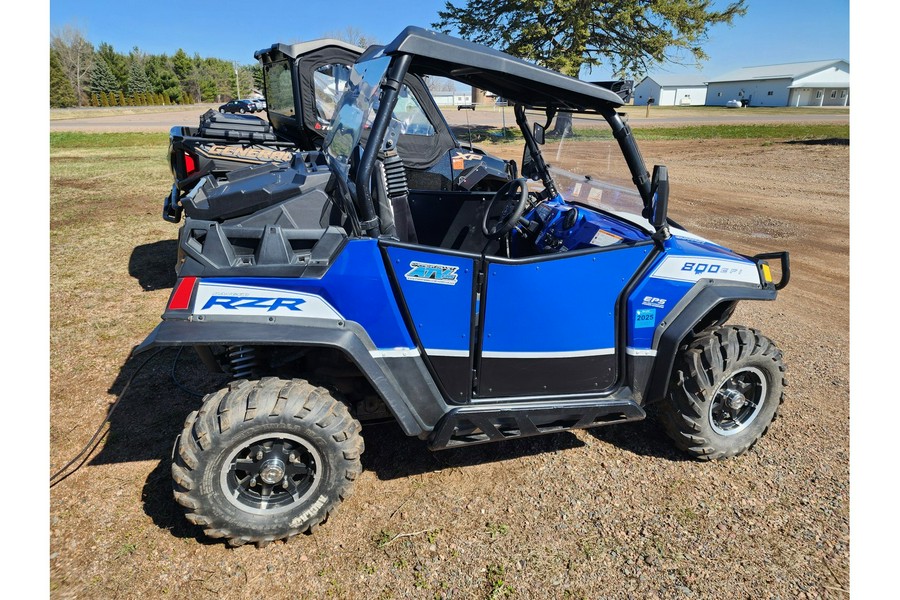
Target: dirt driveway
{"points": [[162, 119], [603, 513]]}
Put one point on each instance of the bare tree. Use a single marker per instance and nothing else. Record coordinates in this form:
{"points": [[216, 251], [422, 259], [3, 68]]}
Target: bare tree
{"points": [[440, 84], [354, 36], [76, 56]]}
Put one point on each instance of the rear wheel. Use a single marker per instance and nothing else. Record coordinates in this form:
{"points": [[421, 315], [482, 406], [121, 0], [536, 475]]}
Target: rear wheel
{"points": [[727, 387], [222, 110], [266, 460], [243, 111]]}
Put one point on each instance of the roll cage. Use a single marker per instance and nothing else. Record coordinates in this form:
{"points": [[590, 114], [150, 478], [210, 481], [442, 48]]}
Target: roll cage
{"points": [[426, 53]]}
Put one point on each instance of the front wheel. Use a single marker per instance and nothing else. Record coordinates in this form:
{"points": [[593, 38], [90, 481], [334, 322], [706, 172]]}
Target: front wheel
{"points": [[265, 460], [222, 110], [727, 387]]}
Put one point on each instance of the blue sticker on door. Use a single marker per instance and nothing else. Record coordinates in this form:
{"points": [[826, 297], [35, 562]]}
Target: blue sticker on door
{"points": [[645, 318]]}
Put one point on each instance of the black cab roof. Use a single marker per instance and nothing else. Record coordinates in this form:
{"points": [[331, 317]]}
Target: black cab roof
{"points": [[489, 69]]}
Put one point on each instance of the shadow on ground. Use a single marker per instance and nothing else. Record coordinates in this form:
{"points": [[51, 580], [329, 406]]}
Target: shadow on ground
{"points": [[823, 142], [153, 265], [162, 388], [644, 438]]}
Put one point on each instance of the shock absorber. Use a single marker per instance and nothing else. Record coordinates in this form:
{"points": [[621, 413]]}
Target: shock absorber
{"points": [[241, 361]]}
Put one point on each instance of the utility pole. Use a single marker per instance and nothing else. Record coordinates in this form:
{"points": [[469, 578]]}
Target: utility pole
{"points": [[237, 84]]}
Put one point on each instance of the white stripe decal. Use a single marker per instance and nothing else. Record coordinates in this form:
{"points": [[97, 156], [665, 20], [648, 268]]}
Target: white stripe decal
{"points": [[640, 351], [440, 352], [406, 352], [394, 353], [567, 354]]}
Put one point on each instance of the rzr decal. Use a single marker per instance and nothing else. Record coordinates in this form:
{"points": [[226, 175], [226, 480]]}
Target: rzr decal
{"points": [[442, 274], [240, 300]]}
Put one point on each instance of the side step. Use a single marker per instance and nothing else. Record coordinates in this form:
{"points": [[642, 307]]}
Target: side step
{"points": [[468, 425]]}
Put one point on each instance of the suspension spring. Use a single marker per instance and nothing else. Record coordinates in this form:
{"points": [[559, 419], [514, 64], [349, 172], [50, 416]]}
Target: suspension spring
{"points": [[241, 361]]}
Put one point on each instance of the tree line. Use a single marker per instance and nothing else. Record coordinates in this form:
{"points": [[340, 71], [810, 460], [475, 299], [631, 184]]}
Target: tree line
{"points": [[84, 75]]}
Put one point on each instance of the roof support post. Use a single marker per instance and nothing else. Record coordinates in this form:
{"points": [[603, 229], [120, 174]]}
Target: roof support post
{"points": [[390, 90]]}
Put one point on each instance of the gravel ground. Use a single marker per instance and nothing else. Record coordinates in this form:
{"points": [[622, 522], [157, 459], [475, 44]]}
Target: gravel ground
{"points": [[605, 513]]}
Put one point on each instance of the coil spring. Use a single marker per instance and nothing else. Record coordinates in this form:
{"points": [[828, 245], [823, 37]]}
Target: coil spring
{"points": [[241, 361], [395, 175]]}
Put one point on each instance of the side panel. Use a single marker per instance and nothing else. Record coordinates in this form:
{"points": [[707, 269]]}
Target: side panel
{"points": [[685, 263], [550, 325], [437, 289], [356, 287]]}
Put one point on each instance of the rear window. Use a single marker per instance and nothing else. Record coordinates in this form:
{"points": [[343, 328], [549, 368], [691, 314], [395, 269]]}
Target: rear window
{"points": [[279, 89]]}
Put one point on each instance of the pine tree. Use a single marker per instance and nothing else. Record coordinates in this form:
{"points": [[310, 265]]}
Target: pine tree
{"points": [[138, 83], [61, 92], [118, 63], [95, 101], [628, 36], [104, 100], [121, 98], [102, 78], [112, 99]]}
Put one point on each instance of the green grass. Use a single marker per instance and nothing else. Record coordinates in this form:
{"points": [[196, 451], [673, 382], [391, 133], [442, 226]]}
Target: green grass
{"points": [[780, 131], [90, 112], [74, 139]]}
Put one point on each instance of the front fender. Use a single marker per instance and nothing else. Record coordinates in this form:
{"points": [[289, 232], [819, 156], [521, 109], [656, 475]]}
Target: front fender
{"points": [[696, 304]]}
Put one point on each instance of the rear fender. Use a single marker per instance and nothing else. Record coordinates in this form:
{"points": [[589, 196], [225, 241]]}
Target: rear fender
{"points": [[416, 403]]}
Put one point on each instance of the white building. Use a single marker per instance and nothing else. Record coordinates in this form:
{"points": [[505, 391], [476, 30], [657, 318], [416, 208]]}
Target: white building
{"points": [[815, 83], [451, 98], [671, 90]]}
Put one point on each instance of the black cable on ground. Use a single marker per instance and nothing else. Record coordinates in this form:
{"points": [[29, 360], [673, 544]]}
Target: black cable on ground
{"points": [[175, 379], [95, 439]]}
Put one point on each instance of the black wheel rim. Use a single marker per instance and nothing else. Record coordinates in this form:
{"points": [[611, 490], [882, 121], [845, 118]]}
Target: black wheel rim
{"points": [[738, 401], [271, 473]]}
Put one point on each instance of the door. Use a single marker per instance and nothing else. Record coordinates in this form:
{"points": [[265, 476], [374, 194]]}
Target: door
{"points": [[437, 295], [550, 323]]}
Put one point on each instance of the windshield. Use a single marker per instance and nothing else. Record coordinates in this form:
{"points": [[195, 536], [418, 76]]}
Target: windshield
{"points": [[587, 165], [354, 107]]}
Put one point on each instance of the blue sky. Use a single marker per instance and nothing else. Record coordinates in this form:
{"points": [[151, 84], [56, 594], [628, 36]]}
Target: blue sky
{"points": [[773, 31]]}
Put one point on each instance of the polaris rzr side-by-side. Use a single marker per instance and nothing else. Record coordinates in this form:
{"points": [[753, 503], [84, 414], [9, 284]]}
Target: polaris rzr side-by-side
{"points": [[303, 84], [334, 294]]}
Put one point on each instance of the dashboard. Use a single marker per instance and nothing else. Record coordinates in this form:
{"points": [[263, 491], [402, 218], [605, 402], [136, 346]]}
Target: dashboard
{"points": [[555, 226]]}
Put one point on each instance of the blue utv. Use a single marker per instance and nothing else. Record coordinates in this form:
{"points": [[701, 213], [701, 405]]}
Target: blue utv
{"points": [[334, 294]]}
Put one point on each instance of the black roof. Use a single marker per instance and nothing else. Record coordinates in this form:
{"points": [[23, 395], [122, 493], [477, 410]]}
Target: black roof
{"points": [[295, 50], [489, 69]]}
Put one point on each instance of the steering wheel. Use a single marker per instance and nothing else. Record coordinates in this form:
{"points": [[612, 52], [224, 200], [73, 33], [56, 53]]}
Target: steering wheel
{"points": [[515, 193]]}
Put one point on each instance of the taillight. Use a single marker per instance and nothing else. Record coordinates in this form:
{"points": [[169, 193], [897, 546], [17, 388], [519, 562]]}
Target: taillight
{"points": [[190, 164], [181, 298]]}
